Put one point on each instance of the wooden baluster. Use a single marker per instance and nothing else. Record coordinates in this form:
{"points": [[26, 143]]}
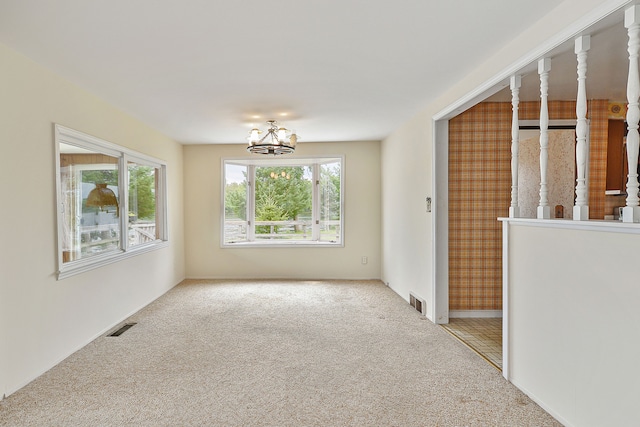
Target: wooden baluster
{"points": [[631, 212], [581, 207], [544, 66], [514, 209]]}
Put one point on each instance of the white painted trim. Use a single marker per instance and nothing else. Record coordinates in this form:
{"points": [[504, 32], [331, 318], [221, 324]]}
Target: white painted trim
{"points": [[506, 373], [481, 314], [99, 261], [81, 139], [568, 224], [281, 244], [516, 82], [440, 223]]}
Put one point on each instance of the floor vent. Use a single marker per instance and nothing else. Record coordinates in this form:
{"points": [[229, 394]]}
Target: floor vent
{"points": [[418, 303], [121, 330]]}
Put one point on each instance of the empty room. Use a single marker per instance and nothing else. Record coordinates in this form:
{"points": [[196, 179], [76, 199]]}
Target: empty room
{"points": [[320, 213]]}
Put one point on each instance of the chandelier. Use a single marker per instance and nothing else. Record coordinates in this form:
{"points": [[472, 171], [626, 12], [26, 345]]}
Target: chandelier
{"points": [[278, 140]]}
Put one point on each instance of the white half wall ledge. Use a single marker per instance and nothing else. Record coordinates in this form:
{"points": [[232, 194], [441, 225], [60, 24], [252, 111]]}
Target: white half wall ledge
{"points": [[567, 224]]}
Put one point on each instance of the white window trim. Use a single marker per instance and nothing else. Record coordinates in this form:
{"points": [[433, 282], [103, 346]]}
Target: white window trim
{"points": [[289, 160], [72, 137]]}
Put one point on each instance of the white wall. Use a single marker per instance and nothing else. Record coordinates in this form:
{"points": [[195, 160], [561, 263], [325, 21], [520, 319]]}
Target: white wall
{"points": [[406, 236], [43, 320], [206, 259], [573, 322]]}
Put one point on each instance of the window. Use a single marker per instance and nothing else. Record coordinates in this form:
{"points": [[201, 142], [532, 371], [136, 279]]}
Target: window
{"points": [[103, 189], [288, 201]]}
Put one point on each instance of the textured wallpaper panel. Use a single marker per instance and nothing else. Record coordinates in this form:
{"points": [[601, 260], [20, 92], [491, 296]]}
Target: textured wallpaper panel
{"points": [[561, 172]]}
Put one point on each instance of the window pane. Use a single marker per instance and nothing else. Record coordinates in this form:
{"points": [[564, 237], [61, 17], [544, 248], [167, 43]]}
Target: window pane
{"points": [[330, 202], [235, 203], [143, 185], [283, 203], [89, 184]]}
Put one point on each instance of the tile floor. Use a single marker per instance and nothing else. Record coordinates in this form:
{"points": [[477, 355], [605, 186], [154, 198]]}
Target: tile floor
{"points": [[484, 336]]}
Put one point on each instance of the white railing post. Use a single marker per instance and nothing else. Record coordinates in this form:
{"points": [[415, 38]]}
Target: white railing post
{"points": [[631, 212], [544, 66], [581, 207], [514, 209]]}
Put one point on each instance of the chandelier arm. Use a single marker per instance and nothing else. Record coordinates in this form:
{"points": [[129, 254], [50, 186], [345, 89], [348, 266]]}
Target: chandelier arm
{"points": [[264, 137]]}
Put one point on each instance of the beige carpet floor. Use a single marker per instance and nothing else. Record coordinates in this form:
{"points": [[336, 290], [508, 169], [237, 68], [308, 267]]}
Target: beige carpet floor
{"points": [[274, 353]]}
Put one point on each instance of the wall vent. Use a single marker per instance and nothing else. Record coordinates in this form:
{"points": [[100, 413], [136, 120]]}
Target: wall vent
{"points": [[121, 330], [420, 304]]}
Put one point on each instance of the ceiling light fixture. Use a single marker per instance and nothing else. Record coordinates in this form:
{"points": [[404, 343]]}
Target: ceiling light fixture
{"points": [[278, 140]]}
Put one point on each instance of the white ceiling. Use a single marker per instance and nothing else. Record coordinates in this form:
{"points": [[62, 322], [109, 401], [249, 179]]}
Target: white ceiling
{"points": [[607, 68], [201, 71]]}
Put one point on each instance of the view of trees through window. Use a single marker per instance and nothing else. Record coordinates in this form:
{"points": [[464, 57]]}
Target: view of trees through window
{"points": [[282, 206], [283, 196], [142, 204]]}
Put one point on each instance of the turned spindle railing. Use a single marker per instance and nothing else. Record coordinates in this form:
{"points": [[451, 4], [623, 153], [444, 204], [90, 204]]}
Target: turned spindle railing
{"points": [[631, 212], [544, 66], [514, 209], [581, 207]]}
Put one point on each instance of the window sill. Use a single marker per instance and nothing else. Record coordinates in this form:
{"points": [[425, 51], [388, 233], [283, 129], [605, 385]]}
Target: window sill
{"points": [[81, 266], [281, 244]]}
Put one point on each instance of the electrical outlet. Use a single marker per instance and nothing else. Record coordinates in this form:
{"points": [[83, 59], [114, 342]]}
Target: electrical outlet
{"points": [[365, 260], [428, 200]]}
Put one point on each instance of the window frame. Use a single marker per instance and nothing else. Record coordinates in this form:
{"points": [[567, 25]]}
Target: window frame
{"points": [[314, 162], [64, 135]]}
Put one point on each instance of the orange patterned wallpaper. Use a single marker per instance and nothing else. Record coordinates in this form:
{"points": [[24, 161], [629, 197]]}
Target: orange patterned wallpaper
{"points": [[480, 192]]}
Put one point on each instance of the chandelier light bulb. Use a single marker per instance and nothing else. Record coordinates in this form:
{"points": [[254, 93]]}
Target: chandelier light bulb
{"points": [[282, 135], [254, 136]]}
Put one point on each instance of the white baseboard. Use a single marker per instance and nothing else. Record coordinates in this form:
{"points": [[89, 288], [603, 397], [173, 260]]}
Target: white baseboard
{"points": [[474, 313]]}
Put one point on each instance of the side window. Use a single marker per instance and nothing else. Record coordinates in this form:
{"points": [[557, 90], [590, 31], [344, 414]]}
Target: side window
{"points": [[330, 184], [111, 202], [142, 207], [89, 182], [235, 203]]}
